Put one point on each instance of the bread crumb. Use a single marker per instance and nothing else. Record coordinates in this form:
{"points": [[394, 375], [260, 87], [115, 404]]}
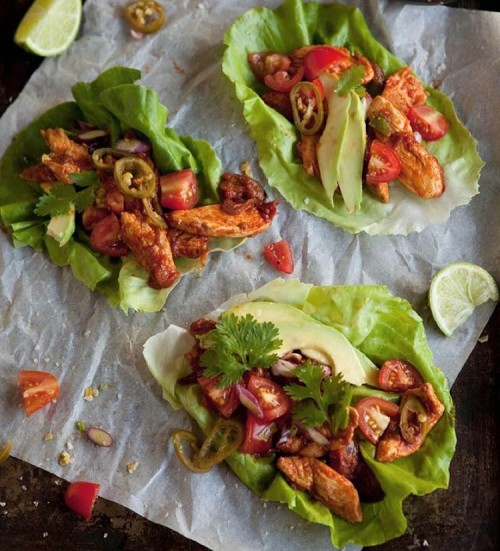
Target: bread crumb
{"points": [[245, 169], [65, 458], [132, 467], [48, 436], [90, 393]]}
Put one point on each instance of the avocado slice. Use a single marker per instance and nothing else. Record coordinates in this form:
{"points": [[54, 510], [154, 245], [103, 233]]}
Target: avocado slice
{"points": [[330, 145], [352, 155], [62, 227], [322, 343]]}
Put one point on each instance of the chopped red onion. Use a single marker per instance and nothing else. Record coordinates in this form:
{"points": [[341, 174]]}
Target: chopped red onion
{"points": [[249, 401], [132, 146], [99, 436], [136, 35], [83, 125], [283, 368], [314, 434]]}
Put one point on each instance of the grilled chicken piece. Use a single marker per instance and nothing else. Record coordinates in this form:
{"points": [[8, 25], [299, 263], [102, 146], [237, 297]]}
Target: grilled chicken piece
{"points": [[151, 247], [279, 101], [345, 460], [324, 484], [397, 120], [420, 172], [403, 89], [307, 148], [381, 191], [212, 221], [66, 156], [367, 65], [345, 435], [188, 245], [38, 173], [393, 444]]}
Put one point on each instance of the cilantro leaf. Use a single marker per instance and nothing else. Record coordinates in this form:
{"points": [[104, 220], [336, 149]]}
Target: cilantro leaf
{"points": [[237, 345], [63, 197], [350, 80], [318, 395]]}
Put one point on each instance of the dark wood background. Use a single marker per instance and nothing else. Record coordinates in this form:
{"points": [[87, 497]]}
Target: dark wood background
{"points": [[465, 517]]}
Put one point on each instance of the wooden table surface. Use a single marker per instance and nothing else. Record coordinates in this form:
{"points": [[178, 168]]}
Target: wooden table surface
{"points": [[464, 517]]}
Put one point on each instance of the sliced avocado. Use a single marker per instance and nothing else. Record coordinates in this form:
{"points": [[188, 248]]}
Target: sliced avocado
{"points": [[322, 343], [62, 227], [330, 144], [352, 155]]}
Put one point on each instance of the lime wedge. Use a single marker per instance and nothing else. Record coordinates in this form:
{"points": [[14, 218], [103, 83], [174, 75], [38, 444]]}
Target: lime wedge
{"points": [[49, 27], [456, 290]]}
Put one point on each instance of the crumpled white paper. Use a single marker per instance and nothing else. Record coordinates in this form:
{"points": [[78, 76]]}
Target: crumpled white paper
{"points": [[49, 321]]}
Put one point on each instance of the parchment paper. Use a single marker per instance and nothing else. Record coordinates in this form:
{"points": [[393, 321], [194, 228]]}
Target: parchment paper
{"points": [[49, 321]]}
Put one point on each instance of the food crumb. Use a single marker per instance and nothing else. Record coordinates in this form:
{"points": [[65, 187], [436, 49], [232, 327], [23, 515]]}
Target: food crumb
{"points": [[46, 360], [3, 503], [425, 543], [35, 360], [48, 436], [483, 338], [69, 446], [90, 393], [45, 534], [57, 482], [105, 535], [65, 458], [35, 503], [245, 168], [87, 333], [132, 467], [178, 68], [24, 487], [104, 386], [249, 256]]}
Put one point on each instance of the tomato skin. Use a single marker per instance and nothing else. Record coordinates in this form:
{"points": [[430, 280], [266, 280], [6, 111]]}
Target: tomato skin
{"points": [[429, 123], [279, 255], [383, 164], [272, 398], [179, 190], [258, 435], [398, 376], [80, 497], [38, 389], [224, 400], [365, 406], [284, 81], [105, 237], [322, 58]]}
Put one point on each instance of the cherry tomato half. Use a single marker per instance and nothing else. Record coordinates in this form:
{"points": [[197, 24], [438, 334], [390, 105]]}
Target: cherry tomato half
{"points": [[224, 400], [271, 397], [374, 416], [258, 435], [106, 237], [383, 164], [324, 58], [398, 376], [279, 255], [284, 81], [429, 123], [179, 190], [80, 497], [38, 389]]}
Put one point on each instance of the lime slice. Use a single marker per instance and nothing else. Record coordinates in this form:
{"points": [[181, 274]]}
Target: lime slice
{"points": [[456, 290], [49, 27]]}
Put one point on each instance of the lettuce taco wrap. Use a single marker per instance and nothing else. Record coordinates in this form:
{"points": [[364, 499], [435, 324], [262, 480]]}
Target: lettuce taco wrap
{"points": [[325, 398], [102, 185], [344, 129]]}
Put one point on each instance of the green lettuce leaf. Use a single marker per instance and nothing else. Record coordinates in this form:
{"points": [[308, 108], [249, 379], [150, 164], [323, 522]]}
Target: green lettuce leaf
{"points": [[295, 24], [380, 326], [115, 103]]}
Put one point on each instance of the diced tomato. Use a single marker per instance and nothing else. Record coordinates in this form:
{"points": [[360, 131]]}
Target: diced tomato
{"points": [[279, 255], [429, 123], [258, 435], [80, 497], [271, 397], [38, 389], [284, 81], [115, 200], [268, 63], [106, 237], [224, 400], [323, 58], [179, 190], [91, 215], [383, 164], [398, 376], [374, 416]]}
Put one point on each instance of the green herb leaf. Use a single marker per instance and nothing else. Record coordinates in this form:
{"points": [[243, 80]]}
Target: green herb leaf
{"points": [[63, 197], [350, 80], [237, 345], [318, 395]]}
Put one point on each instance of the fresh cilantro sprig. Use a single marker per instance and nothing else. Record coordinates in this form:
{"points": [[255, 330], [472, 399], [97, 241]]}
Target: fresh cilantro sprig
{"points": [[319, 399], [351, 80], [237, 345], [64, 197]]}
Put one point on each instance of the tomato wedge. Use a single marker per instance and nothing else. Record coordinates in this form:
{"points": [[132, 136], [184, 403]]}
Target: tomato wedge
{"points": [[273, 400], [374, 416], [398, 376], [279, 255], [224, 400], [38, 389], [179, 190], [324, 58], [383, 164], [284, 81], [429, 123], [80, 497], [258, 435], [106, 237]]}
